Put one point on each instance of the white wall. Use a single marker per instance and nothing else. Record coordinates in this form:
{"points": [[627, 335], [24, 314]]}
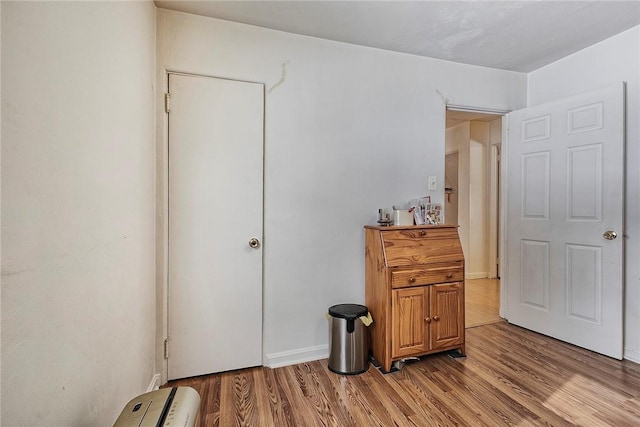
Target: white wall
{"points": [[348, 130], [78, 154], [613, 60]]}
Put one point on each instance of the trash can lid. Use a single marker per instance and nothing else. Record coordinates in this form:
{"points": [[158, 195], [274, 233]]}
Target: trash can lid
{"points": [[348, 311]]}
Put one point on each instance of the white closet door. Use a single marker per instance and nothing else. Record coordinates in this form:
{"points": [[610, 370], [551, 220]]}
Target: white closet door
{"points": [[215, 210]]}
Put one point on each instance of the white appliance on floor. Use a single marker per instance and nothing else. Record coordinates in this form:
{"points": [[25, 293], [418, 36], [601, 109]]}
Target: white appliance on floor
{"points": [[177, 406]]}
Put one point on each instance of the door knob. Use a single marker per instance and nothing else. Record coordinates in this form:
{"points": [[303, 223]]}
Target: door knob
{"points": [[610, 235], [254, 243]]}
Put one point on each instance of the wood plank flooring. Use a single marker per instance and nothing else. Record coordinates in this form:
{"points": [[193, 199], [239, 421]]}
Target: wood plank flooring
{"points": [[510, 377], [482, 302]]}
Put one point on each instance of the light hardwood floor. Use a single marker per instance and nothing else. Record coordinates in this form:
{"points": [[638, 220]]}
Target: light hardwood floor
{"points": [[482, 302], [510, 377]]}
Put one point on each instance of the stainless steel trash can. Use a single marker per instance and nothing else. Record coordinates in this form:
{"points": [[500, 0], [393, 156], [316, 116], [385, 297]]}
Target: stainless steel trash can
{"points": [[348, 339]]}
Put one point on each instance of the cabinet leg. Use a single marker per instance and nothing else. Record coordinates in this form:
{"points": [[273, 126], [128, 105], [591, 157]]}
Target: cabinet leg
{"points": [[393, 367], [386, 368], [460, 352]]}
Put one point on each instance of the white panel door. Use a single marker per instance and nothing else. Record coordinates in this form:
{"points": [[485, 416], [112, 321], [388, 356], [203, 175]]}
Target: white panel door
{"points": [[565, 181], [215, 209]]}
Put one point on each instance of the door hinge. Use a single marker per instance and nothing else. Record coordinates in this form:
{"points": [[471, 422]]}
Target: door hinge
{"points": [[497, 261], [166, 348], [167, 97]]}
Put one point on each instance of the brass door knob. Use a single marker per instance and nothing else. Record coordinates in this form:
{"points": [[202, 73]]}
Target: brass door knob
{"points": [[427, 319], [436, 318], [254, 243], [610, 235]]}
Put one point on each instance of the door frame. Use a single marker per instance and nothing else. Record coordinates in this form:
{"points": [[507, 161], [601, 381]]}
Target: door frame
{"points": [[494, 209], [162, 218], [500, 211], [504, 185]]}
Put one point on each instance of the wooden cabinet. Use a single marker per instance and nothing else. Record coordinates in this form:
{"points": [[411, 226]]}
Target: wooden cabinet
{"points": [[414, 291]]}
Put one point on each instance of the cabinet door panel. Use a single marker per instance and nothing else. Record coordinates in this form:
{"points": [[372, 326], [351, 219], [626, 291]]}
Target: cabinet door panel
{"points": [[409, 312], [447, 314]]}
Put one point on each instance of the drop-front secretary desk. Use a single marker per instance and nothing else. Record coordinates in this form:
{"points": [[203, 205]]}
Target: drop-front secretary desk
{"points": [[414, 278]]}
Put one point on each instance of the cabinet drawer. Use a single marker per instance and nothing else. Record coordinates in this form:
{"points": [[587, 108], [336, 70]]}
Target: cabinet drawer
{"points": [[450, 272], [421, 233], [421, 246]]}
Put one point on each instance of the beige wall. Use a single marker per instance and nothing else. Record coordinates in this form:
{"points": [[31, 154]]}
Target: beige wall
{"points": [[77, 210], [457, 141], [478, 198], [472, 141], [451, 181]]}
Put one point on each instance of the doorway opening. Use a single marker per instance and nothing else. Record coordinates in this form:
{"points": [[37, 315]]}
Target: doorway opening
{"points": [[473, 141]]}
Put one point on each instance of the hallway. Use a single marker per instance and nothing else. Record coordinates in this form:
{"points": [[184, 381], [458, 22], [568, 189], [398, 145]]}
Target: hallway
{"points": [[482, 302]]}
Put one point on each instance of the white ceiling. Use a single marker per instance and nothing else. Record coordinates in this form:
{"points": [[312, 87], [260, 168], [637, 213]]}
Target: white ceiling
{"points": [[510, 35]]}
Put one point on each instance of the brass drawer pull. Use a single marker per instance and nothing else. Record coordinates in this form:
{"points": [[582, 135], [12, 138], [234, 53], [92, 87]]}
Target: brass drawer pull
{"points": [[449, 275], [412, 279]]}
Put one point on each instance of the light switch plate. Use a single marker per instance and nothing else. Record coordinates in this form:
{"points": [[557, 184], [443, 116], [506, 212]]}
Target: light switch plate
{"points": [[433, 183]]}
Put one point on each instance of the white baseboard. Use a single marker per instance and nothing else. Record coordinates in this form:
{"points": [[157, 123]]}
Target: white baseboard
{"points": [[154, 384], [301, 355], [632, 354], [480, 275]]}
